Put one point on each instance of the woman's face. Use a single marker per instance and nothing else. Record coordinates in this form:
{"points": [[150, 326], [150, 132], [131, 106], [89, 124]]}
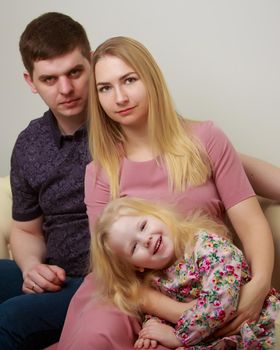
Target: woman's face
{"points": [[144, 241], [121, 92]]}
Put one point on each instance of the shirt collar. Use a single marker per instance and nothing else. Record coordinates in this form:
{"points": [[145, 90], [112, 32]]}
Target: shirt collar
{"points": [[59, 139]]}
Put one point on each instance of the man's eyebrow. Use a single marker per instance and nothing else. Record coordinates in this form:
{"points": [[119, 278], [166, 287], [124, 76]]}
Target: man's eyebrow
{"points": [[47, 76], [121, 78]]}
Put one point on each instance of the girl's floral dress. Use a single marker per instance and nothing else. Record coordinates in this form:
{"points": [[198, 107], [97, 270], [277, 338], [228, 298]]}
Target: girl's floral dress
{"points": [[213, 274]]}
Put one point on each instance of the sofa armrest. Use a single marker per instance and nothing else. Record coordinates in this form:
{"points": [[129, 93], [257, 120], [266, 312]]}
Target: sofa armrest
{"points": [[272, 212], [5, 216]]}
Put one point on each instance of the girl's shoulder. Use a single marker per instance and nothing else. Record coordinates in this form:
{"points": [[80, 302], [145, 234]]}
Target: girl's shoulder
{"points": [[208, 243]]}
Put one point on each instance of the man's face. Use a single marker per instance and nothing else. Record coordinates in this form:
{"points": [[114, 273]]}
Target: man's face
{"points": [[62, 82]]}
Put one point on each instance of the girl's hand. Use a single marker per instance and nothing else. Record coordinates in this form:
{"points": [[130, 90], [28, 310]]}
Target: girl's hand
{"points": [[142, 343], [160, 332], [251, 301]]}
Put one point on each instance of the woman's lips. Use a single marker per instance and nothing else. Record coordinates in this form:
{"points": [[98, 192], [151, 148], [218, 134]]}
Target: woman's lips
{"points": [[126, 111]]}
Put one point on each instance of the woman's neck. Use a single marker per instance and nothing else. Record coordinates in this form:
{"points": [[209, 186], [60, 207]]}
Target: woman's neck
{"points": [[138, 146]]}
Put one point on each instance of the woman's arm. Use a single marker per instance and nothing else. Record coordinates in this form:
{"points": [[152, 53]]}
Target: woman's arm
{"points": [[263, 176], [253, 230]]}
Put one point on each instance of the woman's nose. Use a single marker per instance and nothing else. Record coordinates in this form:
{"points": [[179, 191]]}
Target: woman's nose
{"points": [[121, 96]]}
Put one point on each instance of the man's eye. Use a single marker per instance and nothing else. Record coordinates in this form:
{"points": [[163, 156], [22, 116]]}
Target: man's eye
{"points": [[49, 80], [75, 73]]}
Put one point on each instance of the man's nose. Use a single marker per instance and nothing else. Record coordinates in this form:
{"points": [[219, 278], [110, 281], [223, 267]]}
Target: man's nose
{"points": [[65, 85]]}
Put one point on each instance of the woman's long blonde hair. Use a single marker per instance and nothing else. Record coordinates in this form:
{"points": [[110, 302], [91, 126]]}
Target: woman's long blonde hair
{"points": [[117, 279], [169, 134]]}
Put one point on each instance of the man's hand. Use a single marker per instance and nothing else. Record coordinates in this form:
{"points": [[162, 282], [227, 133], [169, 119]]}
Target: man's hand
{"points": [[160, 332], [43, 278]]}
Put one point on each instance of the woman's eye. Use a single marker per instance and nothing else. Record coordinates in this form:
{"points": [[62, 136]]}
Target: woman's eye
{"points": [[104, 88], [130, 80]]}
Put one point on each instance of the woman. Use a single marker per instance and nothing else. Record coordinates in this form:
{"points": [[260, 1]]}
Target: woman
{"points": [[142, 148]]}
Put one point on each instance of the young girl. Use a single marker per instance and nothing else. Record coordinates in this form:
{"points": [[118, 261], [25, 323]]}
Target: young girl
{"points": [[190, 259], [142, 148]]}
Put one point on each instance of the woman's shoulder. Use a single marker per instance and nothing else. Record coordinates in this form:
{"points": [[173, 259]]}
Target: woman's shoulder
{"points": [[201, 128]]}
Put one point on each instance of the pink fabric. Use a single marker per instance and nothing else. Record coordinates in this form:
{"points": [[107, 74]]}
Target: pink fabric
{"points": [[92, 325], [227, 187]]}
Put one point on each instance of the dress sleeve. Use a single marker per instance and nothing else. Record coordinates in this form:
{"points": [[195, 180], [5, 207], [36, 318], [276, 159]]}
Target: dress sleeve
{"points": [[218, 264], [228, 174], [97, 191]]}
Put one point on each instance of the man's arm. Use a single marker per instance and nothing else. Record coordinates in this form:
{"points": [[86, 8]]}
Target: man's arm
{"points": [[29, 251]]}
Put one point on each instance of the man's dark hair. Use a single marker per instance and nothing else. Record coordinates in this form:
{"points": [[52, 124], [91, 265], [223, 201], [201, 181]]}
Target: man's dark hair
{"points": [[49, 35]]}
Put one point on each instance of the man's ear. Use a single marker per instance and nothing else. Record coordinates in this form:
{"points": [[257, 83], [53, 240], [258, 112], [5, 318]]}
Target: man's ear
{"points": [[29, 81], [140, 269]]}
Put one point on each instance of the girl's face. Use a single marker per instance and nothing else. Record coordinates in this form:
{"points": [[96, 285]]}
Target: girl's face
{"points": [[121, 93], [144, 241]]}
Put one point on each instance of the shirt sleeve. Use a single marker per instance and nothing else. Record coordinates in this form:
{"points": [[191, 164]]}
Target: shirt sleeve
{"points": [[25, 198], [219, 265], [228, 173], [97, 191]]}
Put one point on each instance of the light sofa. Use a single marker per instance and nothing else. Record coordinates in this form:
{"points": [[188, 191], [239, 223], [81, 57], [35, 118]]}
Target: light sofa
{"points": [[270, 208]]}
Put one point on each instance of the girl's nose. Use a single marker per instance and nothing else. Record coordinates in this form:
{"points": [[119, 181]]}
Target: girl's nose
{"points": [[147, 241]]}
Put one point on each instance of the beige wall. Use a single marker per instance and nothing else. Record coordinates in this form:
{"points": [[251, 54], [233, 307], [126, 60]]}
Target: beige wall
{"points": [[221, 59]]}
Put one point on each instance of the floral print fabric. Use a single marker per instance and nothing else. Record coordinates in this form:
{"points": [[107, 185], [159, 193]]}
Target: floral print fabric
{"points": [[213, 274]]}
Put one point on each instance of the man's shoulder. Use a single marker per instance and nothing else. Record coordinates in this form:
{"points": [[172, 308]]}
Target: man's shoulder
{"points": [[34, 137], [35, 125]]}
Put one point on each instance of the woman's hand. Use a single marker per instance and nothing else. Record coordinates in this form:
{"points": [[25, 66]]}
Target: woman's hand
{"points": [[251, 301]]}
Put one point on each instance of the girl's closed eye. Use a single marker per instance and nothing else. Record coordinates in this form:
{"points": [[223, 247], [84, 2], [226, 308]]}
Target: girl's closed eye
{"points": [[133, 248], [143, 225]]}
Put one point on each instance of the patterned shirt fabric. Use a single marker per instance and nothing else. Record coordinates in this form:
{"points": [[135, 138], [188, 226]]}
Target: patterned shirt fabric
{"points": [[213, 274], [47, 178]]}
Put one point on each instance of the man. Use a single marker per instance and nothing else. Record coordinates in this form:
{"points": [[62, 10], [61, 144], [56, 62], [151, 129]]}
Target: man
{"points": [[50, 235]]}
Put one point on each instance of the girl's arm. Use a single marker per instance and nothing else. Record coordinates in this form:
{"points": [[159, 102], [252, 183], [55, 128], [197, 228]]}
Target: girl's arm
{"points": [[253, 230], [157, 304], [263, 176]]}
